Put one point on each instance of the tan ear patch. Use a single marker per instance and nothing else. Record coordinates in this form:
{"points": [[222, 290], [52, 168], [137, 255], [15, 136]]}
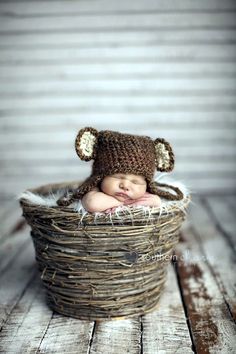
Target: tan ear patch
{"points": [[85, 143], [164, 155]]}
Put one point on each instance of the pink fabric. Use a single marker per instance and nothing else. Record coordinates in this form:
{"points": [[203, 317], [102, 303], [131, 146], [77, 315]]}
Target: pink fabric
{"points": [[145, 200]]}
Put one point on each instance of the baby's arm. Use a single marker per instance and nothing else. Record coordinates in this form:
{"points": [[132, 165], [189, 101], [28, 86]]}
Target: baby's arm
{"points": [[96, 201], [147, 199]]}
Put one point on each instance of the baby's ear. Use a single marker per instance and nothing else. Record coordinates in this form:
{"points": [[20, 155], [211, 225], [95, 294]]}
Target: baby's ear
{"points": [[164, 155], [85, 143]]}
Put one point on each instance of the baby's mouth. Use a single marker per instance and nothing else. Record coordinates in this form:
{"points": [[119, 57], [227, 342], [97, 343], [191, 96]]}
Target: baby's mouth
{"points": [[123, 195]]}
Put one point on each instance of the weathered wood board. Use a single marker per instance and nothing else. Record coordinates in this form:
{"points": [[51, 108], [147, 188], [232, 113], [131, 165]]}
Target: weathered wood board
{"points": [[159, 68]]}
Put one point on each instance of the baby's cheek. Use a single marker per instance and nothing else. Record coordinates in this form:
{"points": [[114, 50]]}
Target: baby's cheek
{"points": [[106, 185], [140, 191]]}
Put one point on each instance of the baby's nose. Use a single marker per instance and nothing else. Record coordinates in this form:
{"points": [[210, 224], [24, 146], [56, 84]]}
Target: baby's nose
{"points": [[124, 185]]}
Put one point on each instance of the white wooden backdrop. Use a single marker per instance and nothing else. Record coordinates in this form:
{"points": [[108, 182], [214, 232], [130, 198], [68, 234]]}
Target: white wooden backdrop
{"points": [[160, 68]]}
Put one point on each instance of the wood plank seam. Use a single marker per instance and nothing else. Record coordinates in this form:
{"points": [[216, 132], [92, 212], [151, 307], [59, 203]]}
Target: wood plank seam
{"points": [[17, 226], [197, 237], [118, 13], [185, 307], [141, 334], [218, 226], [12, 258], [28, 284], [216, 222], [45, 332], [202, 298], [92, 337]]}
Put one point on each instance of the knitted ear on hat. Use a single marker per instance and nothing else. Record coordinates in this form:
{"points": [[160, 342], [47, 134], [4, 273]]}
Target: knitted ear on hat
{"points": [[164, 155], [85, 143]]}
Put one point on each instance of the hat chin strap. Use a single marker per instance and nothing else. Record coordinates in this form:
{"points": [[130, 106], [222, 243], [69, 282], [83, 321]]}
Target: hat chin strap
{"points": [[74, 195], [154, 188]]}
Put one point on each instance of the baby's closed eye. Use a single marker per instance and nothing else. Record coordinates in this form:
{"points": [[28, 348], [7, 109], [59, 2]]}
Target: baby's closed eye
{"points": [[135, 181]]}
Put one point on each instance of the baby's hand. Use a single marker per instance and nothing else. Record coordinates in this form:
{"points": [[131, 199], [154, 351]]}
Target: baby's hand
{"points": [[147, 199], [110, 210]]}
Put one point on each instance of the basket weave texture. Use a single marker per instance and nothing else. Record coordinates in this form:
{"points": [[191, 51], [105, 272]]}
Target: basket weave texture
{"points": [[104, 267]]}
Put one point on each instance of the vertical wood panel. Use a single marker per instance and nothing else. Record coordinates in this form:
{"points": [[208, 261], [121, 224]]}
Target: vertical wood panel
{"points": [[160, 68]]}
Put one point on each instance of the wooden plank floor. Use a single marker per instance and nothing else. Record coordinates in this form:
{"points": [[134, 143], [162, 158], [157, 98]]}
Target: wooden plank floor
{"points": [[196, 313]]}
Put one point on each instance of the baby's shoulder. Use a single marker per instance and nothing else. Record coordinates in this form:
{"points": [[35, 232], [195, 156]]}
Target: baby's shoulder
{"points": [[94, 190]]}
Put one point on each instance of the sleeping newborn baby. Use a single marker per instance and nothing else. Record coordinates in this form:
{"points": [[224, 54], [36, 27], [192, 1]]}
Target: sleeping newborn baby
{"points": [[122, 171], [117, 190]]}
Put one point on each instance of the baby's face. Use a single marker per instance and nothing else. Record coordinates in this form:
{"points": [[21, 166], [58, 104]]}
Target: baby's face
{"points": [[124, 186]]}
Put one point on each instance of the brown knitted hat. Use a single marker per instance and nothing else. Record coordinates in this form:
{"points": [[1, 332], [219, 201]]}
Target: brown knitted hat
{"points": [[114, 152]]}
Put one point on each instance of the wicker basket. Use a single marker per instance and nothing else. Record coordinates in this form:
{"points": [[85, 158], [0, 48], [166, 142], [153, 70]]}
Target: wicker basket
{"points": [[104, 267]]}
